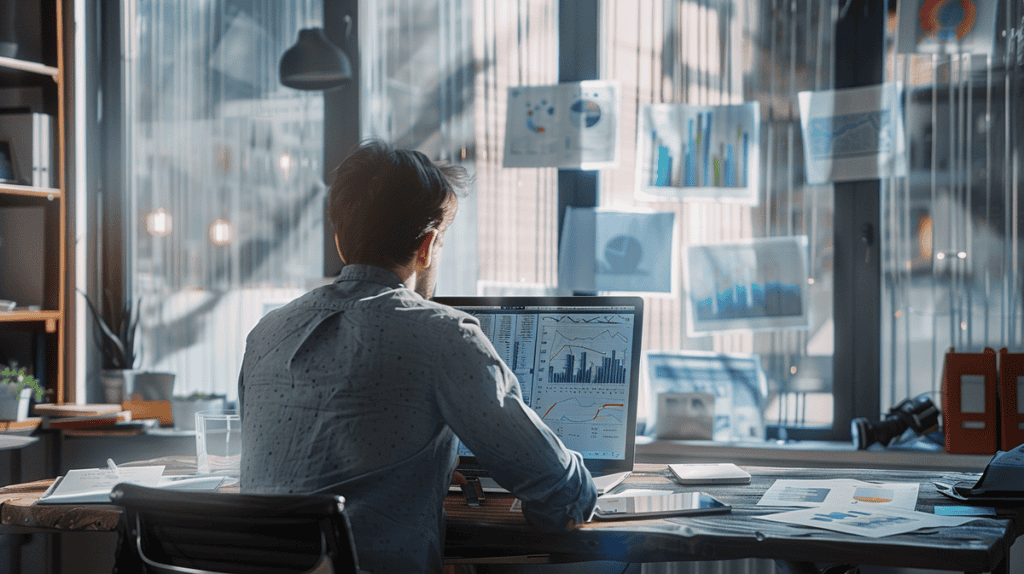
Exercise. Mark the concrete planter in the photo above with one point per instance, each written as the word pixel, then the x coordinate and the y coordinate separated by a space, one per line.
pixel 184 410
pixel 14 404
pixel 132 384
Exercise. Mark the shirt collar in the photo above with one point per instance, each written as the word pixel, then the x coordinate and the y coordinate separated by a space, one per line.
pixel 370 273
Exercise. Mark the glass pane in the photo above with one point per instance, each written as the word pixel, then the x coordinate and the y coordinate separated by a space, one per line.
pixel 721 53
pixel 951 246
pixel 437 78
pixel 224 179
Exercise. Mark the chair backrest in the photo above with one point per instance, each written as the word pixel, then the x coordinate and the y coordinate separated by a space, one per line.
pixel 182 532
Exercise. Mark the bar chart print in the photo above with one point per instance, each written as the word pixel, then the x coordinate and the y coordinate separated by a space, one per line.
pixel 756 284
pixel 690 152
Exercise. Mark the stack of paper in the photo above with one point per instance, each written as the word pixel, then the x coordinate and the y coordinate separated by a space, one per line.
pixel 853 506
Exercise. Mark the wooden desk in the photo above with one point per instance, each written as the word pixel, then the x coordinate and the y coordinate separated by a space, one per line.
pixel 978 546
pixel 492 530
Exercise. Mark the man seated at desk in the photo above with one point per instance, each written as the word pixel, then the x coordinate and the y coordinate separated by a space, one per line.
pixel 360 388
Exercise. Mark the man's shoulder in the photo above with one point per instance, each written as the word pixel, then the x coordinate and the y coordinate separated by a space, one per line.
pixel 437 315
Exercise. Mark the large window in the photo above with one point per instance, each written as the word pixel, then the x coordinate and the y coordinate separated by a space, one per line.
pixel 437 77
pixel 219 149
pixel 224 188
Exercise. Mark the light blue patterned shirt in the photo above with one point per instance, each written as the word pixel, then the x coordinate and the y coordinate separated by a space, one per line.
pixel 360 388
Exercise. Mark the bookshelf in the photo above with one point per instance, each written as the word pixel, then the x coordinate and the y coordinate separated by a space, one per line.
pixel 33 218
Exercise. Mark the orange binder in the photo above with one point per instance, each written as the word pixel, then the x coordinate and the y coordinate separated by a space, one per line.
pixel 1011 399
pixel 969 407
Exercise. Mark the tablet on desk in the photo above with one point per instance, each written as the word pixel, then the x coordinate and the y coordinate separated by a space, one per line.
pixel 655 506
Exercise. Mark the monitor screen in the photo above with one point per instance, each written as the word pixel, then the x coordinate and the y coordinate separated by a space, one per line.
pixel 577 361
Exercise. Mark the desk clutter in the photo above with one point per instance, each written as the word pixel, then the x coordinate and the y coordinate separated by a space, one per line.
pixel 871 509
pixel 491 529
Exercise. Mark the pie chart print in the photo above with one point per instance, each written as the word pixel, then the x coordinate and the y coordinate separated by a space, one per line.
pixel 586 113
pixel 534 113
pixel 623 254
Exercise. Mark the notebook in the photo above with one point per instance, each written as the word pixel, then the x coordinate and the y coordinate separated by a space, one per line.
pixel 578 364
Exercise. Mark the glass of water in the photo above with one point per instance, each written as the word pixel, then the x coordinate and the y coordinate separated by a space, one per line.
pixel 219 442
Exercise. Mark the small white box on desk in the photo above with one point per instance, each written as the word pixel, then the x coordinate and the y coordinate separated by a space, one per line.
pixel 720 473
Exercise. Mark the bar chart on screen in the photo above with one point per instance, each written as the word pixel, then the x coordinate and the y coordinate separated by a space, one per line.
pixel 583 378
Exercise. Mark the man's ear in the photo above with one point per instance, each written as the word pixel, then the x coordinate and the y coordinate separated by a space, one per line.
pixel 425 252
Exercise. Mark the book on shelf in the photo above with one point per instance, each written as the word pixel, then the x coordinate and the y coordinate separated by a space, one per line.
pixel 88 421
pixel 20 426
pixel 52 410
pixel 31 140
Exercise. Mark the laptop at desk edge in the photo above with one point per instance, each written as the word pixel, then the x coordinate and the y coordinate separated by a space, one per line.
pixel 607 472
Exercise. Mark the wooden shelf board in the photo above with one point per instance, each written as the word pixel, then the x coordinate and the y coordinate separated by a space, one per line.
pixel 31 67
pixel 20 316
pixel 29 191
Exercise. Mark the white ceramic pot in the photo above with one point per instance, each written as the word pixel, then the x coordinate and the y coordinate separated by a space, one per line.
pixel 14 404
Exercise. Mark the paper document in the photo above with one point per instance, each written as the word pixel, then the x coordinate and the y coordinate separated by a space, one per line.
pixel 873 522
pixel 191 482
pixel 853 134
pixel 840 492
pixel 95 484
pixel 572 125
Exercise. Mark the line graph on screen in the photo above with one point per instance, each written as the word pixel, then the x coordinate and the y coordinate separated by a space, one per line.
pixel 595 412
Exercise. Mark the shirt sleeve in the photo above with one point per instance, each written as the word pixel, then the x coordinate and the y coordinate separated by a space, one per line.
pixel 480 399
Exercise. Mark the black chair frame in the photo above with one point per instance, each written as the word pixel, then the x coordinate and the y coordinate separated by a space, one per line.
pixel 182 532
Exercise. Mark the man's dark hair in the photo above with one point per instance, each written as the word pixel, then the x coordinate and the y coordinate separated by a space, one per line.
pixel 384 200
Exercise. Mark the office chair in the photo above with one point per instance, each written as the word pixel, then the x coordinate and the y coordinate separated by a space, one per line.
pixel 182 532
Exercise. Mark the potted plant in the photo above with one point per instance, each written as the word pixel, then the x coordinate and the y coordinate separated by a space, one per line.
pixel 184 408
pixel 16 390
pixel 116 340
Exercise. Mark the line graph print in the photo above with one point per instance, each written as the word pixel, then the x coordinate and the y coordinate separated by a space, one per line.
pixel 598 411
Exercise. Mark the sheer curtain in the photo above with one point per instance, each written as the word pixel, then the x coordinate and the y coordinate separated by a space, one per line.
pixel 952 274
pixel 436 78
pixel 224 188
pixel 436 73
pixel 703 52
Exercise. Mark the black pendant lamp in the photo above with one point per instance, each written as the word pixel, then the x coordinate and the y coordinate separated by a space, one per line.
pixel 314 63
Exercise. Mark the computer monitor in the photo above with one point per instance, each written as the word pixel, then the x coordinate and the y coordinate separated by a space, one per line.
pixel 578 363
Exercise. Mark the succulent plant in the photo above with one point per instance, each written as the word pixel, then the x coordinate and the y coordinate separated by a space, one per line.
pixel 20 380
pixel 116 341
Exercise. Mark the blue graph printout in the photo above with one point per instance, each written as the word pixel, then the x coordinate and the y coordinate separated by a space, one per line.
pixel 757 284
pixel 687 152
pixel 573 367
pixel 872 522
pixel 850 135
pixel 604 250
pixel 736 380
pixel 853 134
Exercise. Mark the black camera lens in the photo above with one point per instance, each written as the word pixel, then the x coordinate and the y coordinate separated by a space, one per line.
pixel 866 434
pixel 918 413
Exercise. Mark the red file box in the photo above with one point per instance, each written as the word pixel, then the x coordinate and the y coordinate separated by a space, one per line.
pixel 969 407
pixel 1011 399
